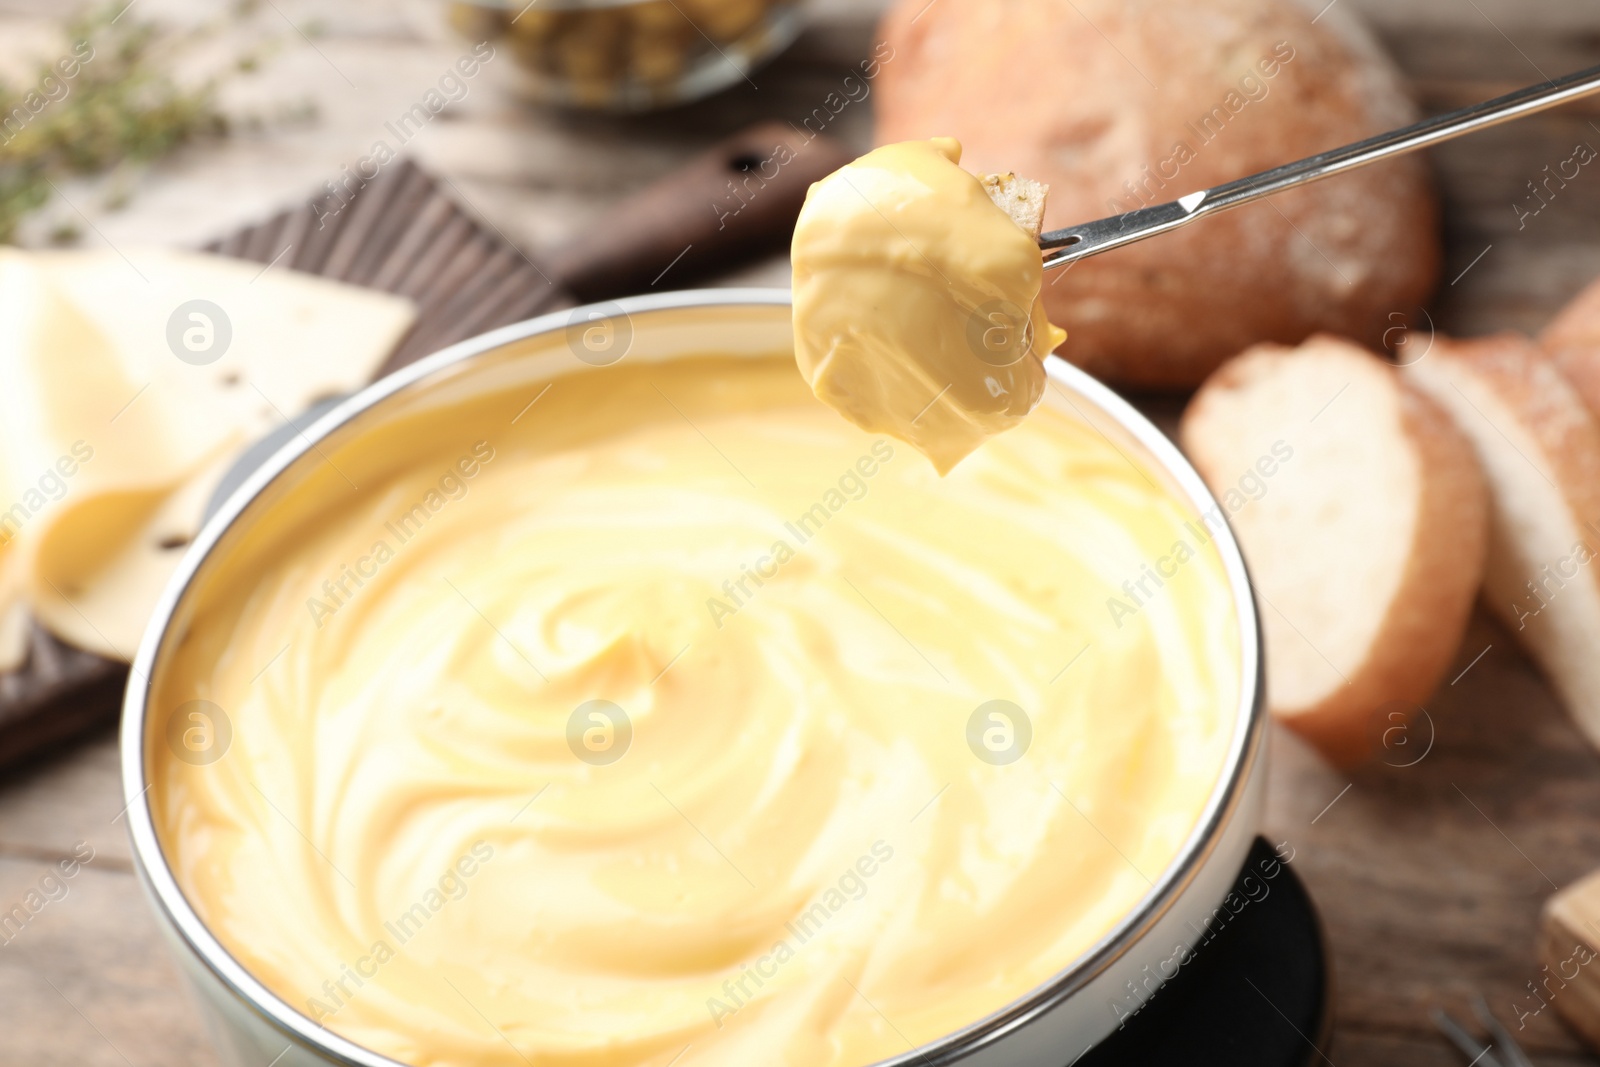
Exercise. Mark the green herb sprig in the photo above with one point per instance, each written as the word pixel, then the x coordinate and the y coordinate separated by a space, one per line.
pixel 120 106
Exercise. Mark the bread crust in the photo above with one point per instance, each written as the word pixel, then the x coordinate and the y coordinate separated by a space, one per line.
pixel 1548 407
pixel 1422 623
pixel 1340 256
pixel 1572 339
pixel 1565 437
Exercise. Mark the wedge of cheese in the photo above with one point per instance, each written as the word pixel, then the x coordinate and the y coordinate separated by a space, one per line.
pixel 127 387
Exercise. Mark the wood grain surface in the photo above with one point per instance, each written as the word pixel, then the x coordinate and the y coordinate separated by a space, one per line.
pixel 1429 877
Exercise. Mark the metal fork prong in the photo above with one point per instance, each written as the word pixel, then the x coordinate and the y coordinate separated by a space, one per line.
pixel 1502 1036
pixel 1479 1055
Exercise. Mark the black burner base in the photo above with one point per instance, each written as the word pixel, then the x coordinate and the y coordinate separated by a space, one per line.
pixel 1258 994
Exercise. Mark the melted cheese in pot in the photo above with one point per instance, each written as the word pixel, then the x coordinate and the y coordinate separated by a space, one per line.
pixel 916 301
pixel 659 726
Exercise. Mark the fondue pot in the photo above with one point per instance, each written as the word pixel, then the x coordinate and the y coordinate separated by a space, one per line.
pixel 1054 1024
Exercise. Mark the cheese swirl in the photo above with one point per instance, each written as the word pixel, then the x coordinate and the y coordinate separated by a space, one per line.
pixel 680 721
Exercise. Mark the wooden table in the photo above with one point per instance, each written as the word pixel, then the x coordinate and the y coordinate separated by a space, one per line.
pixel 1429 877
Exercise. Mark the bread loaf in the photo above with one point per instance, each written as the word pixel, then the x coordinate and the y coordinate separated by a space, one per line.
pixel 1119 105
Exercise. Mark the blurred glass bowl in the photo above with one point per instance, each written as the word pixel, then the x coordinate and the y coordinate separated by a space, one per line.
pixel 630 55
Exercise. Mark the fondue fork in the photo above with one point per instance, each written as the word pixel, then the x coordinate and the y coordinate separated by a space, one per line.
pixel 1499 1038
pixel 1068 245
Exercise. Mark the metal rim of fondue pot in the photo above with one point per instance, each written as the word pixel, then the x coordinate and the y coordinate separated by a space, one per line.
pixel 1051 1025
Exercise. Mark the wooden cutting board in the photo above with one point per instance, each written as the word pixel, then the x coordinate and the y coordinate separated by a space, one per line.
pixel 408 232
pixel 1569 951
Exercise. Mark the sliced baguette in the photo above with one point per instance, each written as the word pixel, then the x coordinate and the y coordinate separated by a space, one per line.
pixel 1021 198
pixel 1365 539
pixel 1539 446
pixel 1573 340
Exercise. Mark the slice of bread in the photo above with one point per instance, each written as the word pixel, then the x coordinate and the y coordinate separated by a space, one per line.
pixel 1021 198
pixel 1573 340
pixel 1361 512
pixel 1539 446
